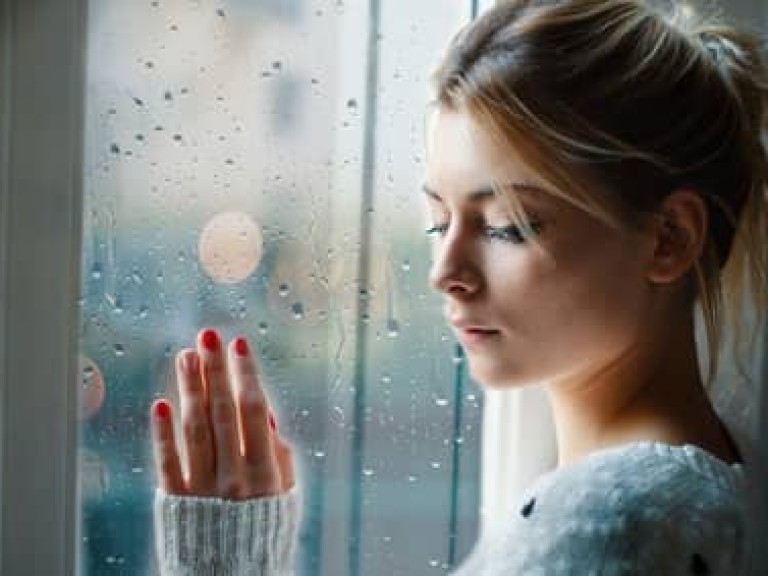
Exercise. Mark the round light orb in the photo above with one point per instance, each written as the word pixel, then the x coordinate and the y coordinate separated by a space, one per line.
pixel 230 247
pixel 92 389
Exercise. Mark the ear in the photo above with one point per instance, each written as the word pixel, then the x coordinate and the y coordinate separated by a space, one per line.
pixel 680 229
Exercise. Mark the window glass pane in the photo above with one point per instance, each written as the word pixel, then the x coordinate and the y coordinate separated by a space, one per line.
pixel 246 170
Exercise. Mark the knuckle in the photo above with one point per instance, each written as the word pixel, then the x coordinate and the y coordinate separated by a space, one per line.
pixel 196 431
pixel 223 412
pixel 253 402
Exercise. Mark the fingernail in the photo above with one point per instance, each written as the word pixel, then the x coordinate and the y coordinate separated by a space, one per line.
pixel 162 410
pixel 241 347
pixel 210 340
pixel 272 421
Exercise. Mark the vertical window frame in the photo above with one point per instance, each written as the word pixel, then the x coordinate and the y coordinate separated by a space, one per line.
pixel 42 67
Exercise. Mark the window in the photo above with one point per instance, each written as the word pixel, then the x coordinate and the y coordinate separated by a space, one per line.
pixel 256 168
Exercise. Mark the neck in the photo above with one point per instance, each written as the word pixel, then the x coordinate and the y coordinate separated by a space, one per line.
pixel 652 392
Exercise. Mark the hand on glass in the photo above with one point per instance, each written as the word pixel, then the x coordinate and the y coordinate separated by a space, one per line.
pixel 232 446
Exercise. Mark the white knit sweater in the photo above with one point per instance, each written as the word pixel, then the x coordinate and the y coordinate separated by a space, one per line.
pixel 642 508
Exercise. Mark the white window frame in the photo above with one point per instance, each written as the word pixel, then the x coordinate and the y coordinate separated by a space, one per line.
pixel 42 52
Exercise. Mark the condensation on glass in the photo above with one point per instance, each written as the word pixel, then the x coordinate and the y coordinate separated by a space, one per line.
pixel 245 171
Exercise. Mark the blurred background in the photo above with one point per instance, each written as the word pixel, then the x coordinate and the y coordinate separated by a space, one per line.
pixel 255 166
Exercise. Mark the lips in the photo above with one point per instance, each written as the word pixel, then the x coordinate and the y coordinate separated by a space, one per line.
pixel 472 334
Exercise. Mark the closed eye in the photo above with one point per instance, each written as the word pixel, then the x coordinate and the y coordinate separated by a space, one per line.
pixel 514 234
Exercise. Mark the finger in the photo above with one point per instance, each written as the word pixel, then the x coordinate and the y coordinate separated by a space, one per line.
pixel 253 413
pixel 284 456
pixel 196 426
pixel 221 404
pixel 166 456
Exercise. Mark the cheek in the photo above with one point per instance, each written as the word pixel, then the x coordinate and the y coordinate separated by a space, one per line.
pixel 586 308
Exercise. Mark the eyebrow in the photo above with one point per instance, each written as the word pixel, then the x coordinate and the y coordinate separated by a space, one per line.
pixel 482 194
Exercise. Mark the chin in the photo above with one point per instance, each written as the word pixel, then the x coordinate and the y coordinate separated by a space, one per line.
pixel 498 377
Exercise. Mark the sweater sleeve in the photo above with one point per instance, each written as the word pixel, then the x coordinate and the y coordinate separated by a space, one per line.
pixel 197 536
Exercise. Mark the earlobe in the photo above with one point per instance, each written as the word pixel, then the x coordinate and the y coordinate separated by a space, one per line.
pixel 680 230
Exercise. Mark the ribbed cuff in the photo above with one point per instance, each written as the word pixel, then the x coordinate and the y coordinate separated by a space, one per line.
pixel 211 536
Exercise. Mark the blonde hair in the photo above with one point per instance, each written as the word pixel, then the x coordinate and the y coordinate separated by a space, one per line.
pixel 616 104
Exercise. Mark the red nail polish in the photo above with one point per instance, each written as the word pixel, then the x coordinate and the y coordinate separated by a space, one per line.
pixel 272 421
pixel 162 410
pixel 210 340
pixel 241 347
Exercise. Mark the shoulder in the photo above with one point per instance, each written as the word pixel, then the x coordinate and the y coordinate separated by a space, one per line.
pixel 671 510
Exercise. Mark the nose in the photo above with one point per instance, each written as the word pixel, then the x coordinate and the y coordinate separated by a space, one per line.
pixel 455 268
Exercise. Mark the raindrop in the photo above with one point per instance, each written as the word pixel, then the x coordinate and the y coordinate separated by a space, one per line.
pixel 177 137
pixel 277 65
pixel 471 397
pixel 221 13
pixel 412 478
pixel 337 415
pixel 96 271
pixel 434 563
pixel 441 401
pixel 140 137
pixel 393 328
pixel 138 101
pixel 435 465
pixel 297 308
pixel 137 469
pixel 367 472
pixel 112 111
pixel 263 328
pixel 457 359
pixel 386 379
pixel 119 350
pixel 168 96
pixel 405 266
pixel 352 105
pixel 283 290
pixel 143 311
pixel 149 64
pixel 114 148
pixel 137 277
pixel 319 454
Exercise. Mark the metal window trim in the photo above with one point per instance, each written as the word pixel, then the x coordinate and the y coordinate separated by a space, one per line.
pixel 41 130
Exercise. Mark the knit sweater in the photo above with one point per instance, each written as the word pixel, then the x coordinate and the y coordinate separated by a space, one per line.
pixel 643 508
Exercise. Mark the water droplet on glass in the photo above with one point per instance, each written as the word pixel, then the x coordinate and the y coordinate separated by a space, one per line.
pixel 337 416
pixel 434 563
pixel 435 465
pixel 367 472
pixel 319 454
pixel 140 137
pixel 441 401
pixel 263 328
pixel 283 290
pixel 459 440
pixel 119 350
pixel 177 137
pixel 114 148
pixel 412 478
pixel 143 311
pixel 138 101
pixel 352 104
pixel 137 469
pixel 393 328
pixel 221 13
pixel 277 65
pixel 168 96
pixel 96 271
pixel 137 277
pixel 405 266
pixel 386 379
pixel 458 358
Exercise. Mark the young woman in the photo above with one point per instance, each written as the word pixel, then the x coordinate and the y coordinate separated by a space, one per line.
pixel 596 169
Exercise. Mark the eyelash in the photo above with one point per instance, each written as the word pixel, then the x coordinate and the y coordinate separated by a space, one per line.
pixel 513 234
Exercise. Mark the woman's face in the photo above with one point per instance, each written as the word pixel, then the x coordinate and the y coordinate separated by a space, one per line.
pixel 565 310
